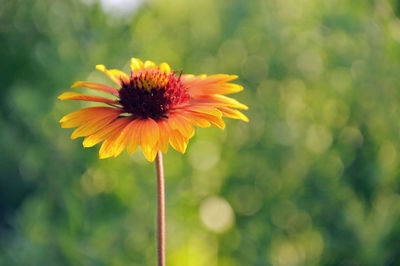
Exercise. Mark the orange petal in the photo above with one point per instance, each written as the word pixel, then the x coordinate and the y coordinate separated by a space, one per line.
pixel 115 75
pixel 178 142
pixel 232 113
pixel 187 78
pixel 110 147
pixel 213 120
pixel 129 137
pixel 94 125
pixel 164 130
pixel 198 108
pixel 149 136
pixel 216 88
pixel 134 141
pixel 202 80
pixel 106 149
pixel 219 100
pixel 177 122
pixel 150 153
pixel 195 120
pixel 106 131
pixel 96 86
pixel 81 97
pixel 81 116
pixel 215 84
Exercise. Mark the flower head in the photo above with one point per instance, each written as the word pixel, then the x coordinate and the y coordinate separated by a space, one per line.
pixel 152 108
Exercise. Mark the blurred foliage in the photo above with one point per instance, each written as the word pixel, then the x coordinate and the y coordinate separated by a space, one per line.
pixel 313 179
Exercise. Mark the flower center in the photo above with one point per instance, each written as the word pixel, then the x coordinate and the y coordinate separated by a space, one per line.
pixel 152 94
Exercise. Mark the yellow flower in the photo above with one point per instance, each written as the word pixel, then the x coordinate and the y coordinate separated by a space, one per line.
pixel 152 108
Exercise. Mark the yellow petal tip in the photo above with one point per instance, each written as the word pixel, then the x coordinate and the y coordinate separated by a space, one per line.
pixel 63 96
pixel 137 61
pixel 76 84
pixel 164 67
pixel 101 67
pixel 149 64
pixel 244 107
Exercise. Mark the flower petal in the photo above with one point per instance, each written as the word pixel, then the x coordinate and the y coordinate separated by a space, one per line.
pixel 82 97
pixel 164 130
pixel 204 79
pixel 149 64
pixel 106 131
pixel 178 123
pixel 213 120
pixel 149 136
pixel 205 109
pixel 136 64
pixel 133 136
pixel 219 100
pixel 205 113
pixel 195 120
pixel 96 86
pixel 232 113
pixel 127 134
pixel 81 116
pixel 164 67
pixel 215 84
pixel 115 75
pixel 110 147
pixel 94 125
pixel 224 88
pixel 177 141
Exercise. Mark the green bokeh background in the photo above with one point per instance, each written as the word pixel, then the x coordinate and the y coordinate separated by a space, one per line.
pixel 313 179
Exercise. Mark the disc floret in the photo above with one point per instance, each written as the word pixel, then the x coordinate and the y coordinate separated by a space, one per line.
pixel 152 94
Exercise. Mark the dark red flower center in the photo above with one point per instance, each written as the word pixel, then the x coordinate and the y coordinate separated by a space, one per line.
pixel 152 94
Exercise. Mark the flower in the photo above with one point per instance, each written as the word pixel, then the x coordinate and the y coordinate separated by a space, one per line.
pixel 152 108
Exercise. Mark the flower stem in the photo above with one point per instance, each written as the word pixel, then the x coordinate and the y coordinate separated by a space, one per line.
pixel 160 210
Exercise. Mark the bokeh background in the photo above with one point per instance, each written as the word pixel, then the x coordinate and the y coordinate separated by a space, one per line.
pixel 313 179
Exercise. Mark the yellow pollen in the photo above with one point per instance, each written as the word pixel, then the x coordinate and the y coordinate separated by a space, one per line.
pixel 147 86
pixel 156 82
pixel 139 84
pixel 150 81
pixel 163 81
